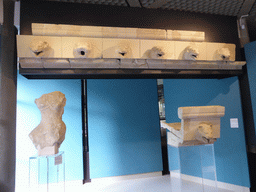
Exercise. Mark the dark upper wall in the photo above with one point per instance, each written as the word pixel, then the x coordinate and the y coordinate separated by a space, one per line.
pixel 251 29
pixel 217 28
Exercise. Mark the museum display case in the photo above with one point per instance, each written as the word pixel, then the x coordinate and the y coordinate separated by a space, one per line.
pixel 47 173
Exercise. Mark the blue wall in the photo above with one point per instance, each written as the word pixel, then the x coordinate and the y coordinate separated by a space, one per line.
pixel 124 131
pixel 230 149
pixel 250 54
pixel 28 117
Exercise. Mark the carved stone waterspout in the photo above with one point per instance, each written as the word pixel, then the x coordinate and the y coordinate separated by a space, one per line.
pixel 199 125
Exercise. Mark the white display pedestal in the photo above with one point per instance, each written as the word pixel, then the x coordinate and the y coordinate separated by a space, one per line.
pixel 47 173
pixel 192 168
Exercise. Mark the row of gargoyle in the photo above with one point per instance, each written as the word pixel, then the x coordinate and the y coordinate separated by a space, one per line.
pixel 82 50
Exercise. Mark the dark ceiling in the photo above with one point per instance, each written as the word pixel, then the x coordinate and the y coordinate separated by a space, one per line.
pixel 219 7
pixel 236 8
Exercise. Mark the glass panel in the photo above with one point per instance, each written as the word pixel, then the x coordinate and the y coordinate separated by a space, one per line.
pixel 47 173
pixel 208 168
pixel 192 168
pixel 175 169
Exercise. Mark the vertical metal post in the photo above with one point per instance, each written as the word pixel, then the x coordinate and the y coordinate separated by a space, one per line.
pixel 164 145
pixel 8 92
pixel 85 133
pixel 243 30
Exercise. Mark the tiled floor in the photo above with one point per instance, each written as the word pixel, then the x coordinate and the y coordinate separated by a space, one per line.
pixel 152 184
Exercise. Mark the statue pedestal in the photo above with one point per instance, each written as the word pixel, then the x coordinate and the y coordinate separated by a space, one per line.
pixel 192 168
pixel 47 173
pixel 48 151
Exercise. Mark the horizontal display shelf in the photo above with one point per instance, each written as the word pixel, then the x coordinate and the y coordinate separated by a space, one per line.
pixel 131 68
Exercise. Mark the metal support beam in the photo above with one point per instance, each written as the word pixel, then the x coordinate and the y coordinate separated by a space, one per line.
pixel 127 74
pixel 1 12
pixel 241 22
pixel 8 82
pixel 158 3
pixel 242 31
pixel 134 3
pixel 246 7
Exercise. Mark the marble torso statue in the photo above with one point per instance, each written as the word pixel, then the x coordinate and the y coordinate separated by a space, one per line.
pixel 51 130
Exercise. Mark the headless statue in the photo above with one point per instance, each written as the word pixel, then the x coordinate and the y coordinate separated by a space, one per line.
pixel 50 133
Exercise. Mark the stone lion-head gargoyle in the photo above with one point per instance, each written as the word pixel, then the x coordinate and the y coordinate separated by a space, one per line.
pixel 39 48
pixel 81 50
pixel 204 133
pixel 190 53
pixel 222 54
pixel 156 53
pixel 123 50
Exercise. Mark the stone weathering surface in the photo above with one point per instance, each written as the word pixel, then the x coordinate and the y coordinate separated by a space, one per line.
pixel 50 133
